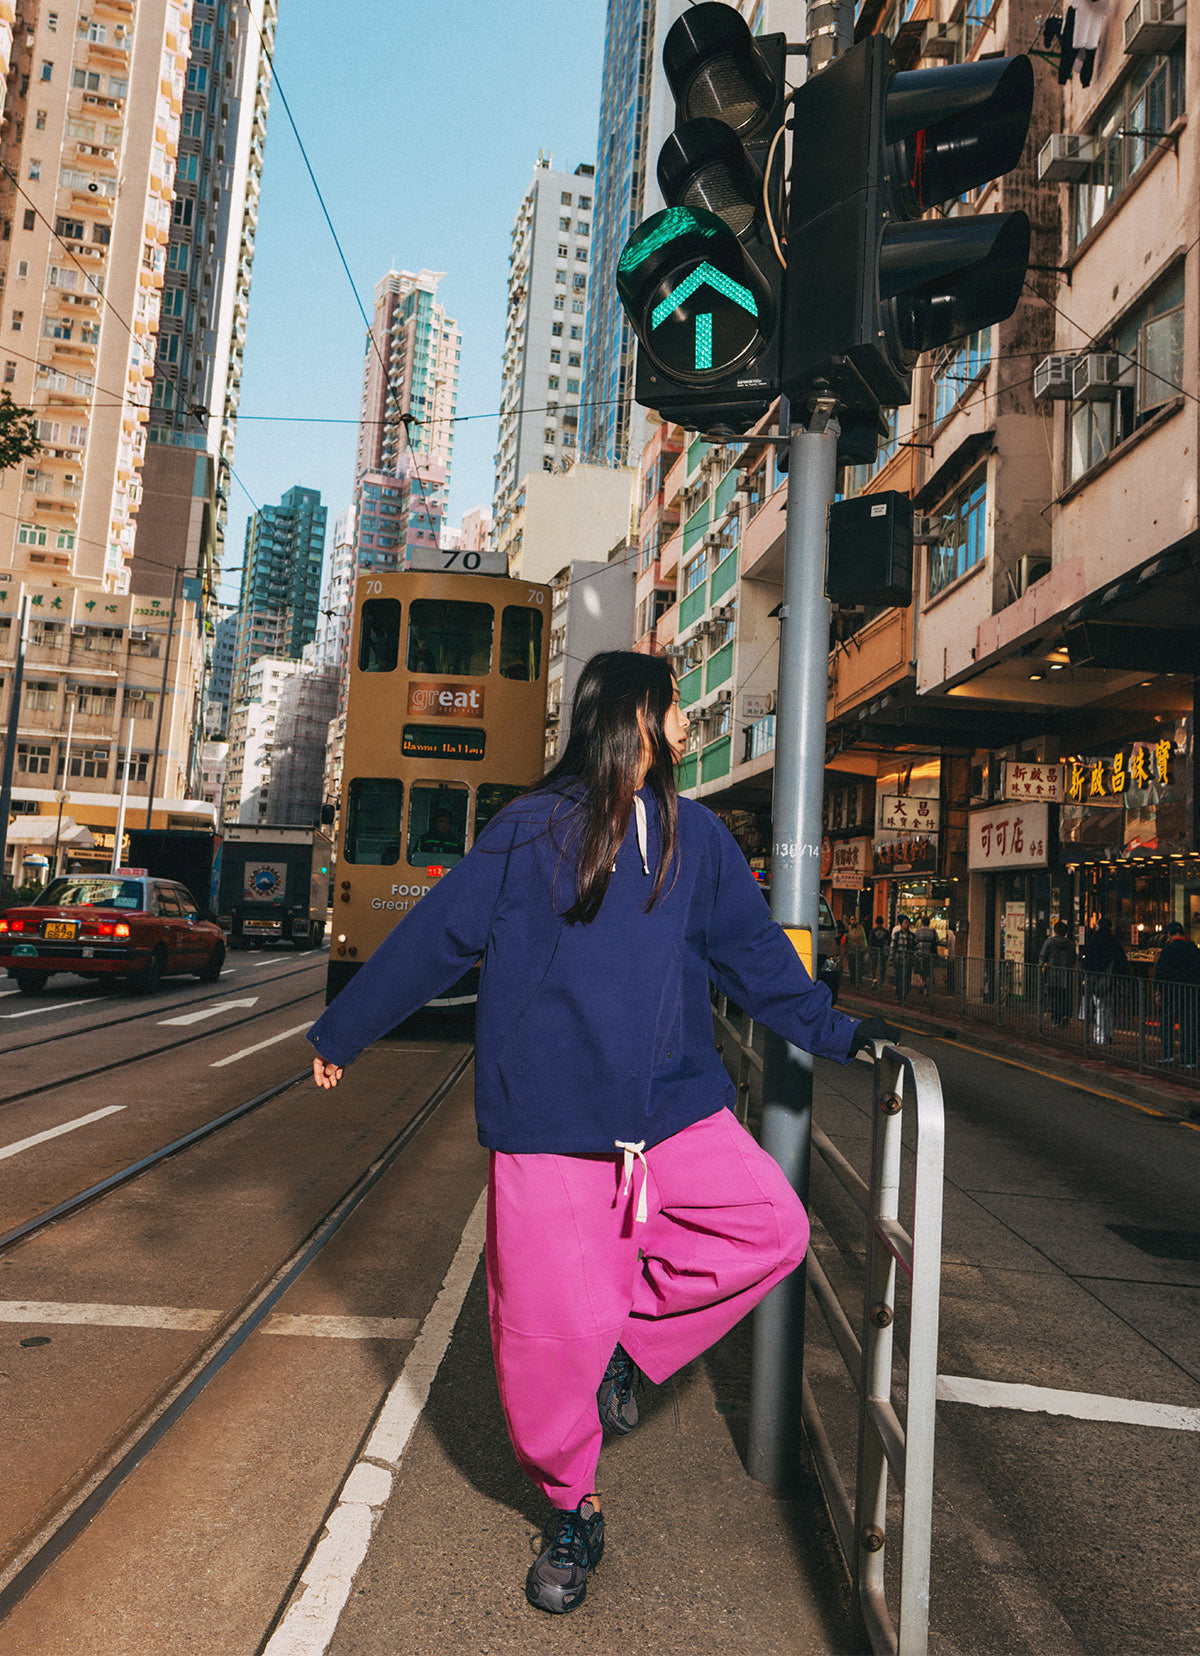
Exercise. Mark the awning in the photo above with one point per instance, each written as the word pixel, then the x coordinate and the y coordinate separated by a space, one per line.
pixel 42 830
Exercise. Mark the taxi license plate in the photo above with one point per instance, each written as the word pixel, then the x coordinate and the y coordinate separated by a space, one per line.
pixel 60 931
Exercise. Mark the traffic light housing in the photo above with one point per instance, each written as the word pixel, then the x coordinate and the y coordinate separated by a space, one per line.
pixel 872 282
pixel 702 281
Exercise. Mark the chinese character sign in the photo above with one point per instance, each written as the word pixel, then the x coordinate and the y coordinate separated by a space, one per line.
pixel 907 814
pixel 1015 835
pixel 1026 780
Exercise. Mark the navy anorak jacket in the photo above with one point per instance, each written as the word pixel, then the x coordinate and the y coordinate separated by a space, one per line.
pixel 595 1032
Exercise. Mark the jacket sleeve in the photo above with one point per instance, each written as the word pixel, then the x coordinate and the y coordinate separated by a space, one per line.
pixel 751 960
pixel 424 953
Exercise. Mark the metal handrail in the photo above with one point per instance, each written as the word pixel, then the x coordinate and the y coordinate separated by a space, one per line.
pixel 884 1441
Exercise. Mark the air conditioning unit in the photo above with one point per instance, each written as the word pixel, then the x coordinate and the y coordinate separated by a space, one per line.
pixel 724 697
pixel 941 40
pixel 134 695
pixel 138 635
pixel 927 529
pixel 726 612
pixel 1154 26
pixel 1098 375
pixel 1026 571
pixel 712 537
pixel 1052 378
pixel 1065 158
pixel 78 632
pixel 676 652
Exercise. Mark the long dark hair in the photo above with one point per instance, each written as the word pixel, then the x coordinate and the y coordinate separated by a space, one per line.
pixel 604 752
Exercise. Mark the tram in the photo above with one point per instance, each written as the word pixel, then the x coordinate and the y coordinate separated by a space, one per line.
pixel 445 723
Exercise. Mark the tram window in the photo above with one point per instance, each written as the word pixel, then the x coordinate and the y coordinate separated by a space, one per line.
pixel 449 638
pixel 437 824
pixel 489 799
pixel 379 636
pixel 374 809
pixel 520 643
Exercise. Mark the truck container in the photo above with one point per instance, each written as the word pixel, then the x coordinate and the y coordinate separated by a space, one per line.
pixel 274 884
pixel 190 855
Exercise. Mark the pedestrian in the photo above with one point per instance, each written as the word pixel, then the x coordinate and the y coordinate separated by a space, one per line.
pixel 856 950
pixel 904 949
pixel 1177 973
pixel 1056 961
pixel 880 941
pixel 1103 960
pixel 631 1219
pixel 926 939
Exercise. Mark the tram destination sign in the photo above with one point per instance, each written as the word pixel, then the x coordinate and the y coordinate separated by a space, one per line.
pixel 442 742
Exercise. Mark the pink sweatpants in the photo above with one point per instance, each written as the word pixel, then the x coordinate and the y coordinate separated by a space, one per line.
pixel 570 1274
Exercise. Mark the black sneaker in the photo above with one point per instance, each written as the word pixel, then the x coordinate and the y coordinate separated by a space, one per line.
pixel 615 1401
pixel 558 1581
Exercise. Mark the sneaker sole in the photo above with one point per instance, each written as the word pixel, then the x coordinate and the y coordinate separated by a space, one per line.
pixel 557 1605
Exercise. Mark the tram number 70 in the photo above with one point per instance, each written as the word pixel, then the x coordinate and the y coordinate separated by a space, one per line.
pixel 455 555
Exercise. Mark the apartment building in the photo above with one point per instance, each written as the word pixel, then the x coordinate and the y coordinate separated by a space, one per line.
pixel 110 702
pixel 577 514
pixel 251 735
pixel 281 581
pixel 548 268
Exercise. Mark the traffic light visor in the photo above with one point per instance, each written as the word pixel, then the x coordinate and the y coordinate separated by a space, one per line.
pixel 955 128
pixel 714 68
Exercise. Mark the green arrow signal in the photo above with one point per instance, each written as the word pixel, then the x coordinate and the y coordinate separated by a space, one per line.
pixel 716 279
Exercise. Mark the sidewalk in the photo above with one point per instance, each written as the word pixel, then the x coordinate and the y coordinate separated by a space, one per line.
pixel 1166 1091
pixel 700 1560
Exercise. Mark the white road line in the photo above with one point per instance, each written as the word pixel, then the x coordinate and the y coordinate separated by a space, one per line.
pixel 312 1616
pixel 274 1040
pixel 57 1132
pixel 33 1010
pixel 174 1317
pixel 210 1011
pixel 1123 1411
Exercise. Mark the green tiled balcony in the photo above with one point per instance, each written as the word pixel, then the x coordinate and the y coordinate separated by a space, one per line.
pixel 718 669
pixel 714 761
pixel 691 686
pixel 723 577
pixel 692 607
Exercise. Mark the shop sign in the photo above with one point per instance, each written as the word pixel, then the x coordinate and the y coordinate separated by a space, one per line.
pixel 1008 836
pixel 905 854
pixel 826 857
pixel 907 814
pixel 851 863
pixel 1023 780
pixel 1144 765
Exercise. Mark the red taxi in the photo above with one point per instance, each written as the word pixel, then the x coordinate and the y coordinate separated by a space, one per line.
pixel 126 925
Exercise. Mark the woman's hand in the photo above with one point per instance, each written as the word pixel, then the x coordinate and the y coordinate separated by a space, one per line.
pixel 326 1074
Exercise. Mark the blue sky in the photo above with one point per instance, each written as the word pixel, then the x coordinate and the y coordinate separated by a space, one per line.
pixel 422 123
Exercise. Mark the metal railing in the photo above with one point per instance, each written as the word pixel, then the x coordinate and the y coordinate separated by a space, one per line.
pixel 884 1442
pixel 1126 1019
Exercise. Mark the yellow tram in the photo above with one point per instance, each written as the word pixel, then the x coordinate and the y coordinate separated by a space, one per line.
pixel 445 723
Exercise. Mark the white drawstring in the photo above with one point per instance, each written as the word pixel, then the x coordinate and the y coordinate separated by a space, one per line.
pixel 639 812
pixel 632 1152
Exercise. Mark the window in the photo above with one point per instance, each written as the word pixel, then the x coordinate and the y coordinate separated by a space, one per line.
pixel 33 758
pixel 87 79
pixel 694 572
pixel 18 318
pixel 565 198
pixel 47 70
pixel 38 695
pixel 583 229
pixel 22 269
pixel 437 824
pixel 1129 131
pixel 374 813
pixel 577 305
pixel 379 639
pixel 449 638
pixel 585 204
pixel 552 382
pixel 559 302
pixel 556 329
pixel 89 762
pixel 10 372
pixel 581 254
pixel 564 224
pixel 576 333
pixel 563 250
pixel 35 169
pixel 69 229
pixel 520 643
pixel 960 543
pixel 955 372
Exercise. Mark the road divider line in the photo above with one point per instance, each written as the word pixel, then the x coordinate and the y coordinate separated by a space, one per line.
pixel 309 1623
pixel 57 1132
pixel 84 1314
pixel 1121 1411
pixel 209 1011
pixel 261 1045
pixel 60 1006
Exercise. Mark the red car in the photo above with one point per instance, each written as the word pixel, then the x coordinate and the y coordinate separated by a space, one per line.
pixel 120 925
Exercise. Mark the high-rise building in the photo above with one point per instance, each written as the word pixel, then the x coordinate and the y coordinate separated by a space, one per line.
pixel 548 269
pixel 204 274
pixel 281 582
pixel 410 375
pixel 88 152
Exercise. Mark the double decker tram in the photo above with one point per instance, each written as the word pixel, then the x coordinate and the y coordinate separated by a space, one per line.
pixel 445 723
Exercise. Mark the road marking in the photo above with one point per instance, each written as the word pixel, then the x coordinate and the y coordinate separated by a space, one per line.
pixel 175 1317
pixel 210 1011
pixel 1123 1411
pixel 57 1132
pixel 33 1010
pixel 312 1616
pixel 274 1040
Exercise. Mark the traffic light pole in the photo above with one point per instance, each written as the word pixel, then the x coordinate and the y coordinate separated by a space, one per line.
pixel 775 1425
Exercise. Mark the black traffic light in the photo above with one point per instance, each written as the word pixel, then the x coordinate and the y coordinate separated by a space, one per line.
pixel 702 281
pixel 871 281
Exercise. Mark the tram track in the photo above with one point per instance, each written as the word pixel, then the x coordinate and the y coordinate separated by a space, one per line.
pixel 151 1052
pixel 33 1551
pixel 146 1009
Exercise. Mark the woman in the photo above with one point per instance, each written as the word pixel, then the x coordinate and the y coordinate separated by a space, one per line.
pixel 856 950
pixel 631 1219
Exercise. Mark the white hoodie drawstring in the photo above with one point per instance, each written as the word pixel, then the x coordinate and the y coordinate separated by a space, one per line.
pixel 634 1152
pixel 639 812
